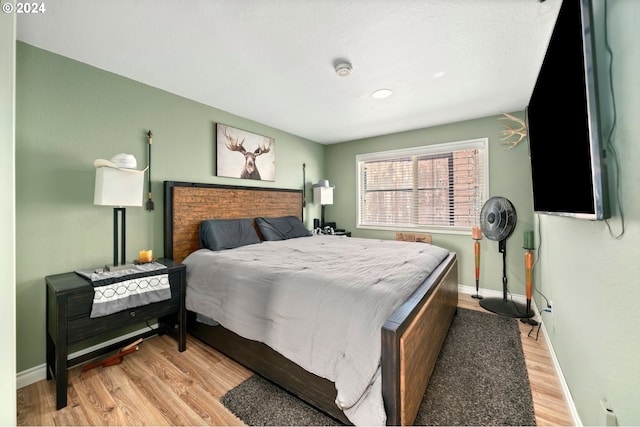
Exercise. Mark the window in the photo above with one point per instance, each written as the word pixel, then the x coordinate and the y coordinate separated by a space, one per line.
pixel 435 187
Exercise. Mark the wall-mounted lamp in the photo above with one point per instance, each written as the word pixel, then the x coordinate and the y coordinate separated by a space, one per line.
pixel 118 184
pixel 323 194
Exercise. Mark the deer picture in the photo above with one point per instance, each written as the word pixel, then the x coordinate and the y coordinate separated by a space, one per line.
pixel 249 170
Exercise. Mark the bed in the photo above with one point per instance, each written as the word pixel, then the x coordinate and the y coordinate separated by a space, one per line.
pixel 411 336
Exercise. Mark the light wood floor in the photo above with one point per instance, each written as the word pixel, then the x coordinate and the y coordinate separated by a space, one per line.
pixel 159 386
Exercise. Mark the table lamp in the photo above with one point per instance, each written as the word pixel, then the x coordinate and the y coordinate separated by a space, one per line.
pixel 323 194
pixel 119 184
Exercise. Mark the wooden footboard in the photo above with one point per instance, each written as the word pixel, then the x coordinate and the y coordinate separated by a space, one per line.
pixel 263 360
pixel 412 339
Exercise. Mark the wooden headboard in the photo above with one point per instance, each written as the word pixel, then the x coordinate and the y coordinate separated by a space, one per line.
pixel 186 204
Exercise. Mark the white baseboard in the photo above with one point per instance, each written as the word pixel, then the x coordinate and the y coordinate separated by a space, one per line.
pixel 498 294
pixel 563 384
pixel 31 375
pixel 470 290
pixel 38 373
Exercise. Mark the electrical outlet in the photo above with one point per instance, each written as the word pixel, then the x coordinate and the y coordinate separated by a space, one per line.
pixel 607 417
pixel 549 308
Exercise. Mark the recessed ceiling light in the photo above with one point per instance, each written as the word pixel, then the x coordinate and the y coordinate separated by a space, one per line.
pixel 440 74
pixel 381 93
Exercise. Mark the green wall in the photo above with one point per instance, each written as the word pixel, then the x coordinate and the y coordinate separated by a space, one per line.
pixel 67 115
pixel 509 176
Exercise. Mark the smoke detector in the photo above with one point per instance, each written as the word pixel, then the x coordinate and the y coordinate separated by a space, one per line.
pixel 343 69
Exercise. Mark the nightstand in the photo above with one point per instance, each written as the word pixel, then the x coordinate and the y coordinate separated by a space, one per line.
pixel 68 305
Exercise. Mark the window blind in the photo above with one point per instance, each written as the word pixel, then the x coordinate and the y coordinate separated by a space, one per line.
pixel 435 186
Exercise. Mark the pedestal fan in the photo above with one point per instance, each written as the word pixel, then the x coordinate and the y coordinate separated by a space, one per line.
pixel 497 222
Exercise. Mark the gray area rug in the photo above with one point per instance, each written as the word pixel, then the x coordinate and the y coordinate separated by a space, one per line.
pixel 480 379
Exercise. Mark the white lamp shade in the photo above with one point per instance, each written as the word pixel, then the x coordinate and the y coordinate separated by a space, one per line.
pixel 323 195
pixel 118 187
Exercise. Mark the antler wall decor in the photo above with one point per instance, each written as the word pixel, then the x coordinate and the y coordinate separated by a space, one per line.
pixel 520 133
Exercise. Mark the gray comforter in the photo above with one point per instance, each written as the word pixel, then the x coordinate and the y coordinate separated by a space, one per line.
pixel 320 301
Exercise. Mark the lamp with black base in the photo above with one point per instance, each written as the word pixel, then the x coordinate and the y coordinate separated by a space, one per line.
pixel 323 194
pixel 119 184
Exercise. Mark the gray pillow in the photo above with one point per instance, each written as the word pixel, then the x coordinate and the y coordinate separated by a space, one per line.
pixel 281 228
pixel 221 234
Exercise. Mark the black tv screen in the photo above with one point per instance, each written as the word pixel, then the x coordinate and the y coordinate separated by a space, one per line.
pixel 567 158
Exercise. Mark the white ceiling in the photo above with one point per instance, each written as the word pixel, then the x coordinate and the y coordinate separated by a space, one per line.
pixel 272 61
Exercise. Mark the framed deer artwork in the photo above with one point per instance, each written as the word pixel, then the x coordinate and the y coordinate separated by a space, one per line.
pixel 243 154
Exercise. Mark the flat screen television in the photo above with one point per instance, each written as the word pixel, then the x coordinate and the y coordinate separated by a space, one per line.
pixel 565 144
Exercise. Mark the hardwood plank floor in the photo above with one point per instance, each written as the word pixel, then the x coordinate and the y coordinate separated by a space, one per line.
pixel 159 386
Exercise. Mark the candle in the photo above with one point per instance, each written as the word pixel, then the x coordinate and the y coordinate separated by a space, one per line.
pixel 476 233
pixel 145 256
pixel 528 240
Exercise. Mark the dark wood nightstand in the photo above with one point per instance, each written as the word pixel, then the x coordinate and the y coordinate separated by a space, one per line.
pixel 69 302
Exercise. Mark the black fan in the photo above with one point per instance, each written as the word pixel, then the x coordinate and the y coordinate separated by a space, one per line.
pixel 497 221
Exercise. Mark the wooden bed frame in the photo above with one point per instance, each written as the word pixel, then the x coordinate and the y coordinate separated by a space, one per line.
pixel 411 338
